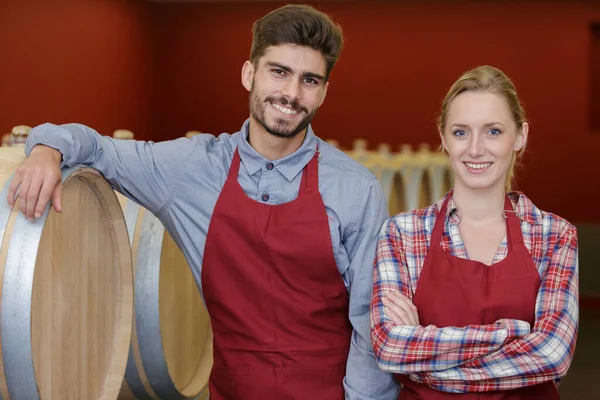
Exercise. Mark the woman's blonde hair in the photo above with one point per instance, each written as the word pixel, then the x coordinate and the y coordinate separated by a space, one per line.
pixel 487 78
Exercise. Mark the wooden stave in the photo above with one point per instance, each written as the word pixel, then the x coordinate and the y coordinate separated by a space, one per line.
pixel 152 380
pixel 415 187
pixel 19 271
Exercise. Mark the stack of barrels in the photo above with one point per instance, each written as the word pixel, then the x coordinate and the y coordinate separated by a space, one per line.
pixel 96 302
pixel 409 179
pixel 17 136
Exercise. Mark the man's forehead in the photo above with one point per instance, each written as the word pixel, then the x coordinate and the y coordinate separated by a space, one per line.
pixel 298 58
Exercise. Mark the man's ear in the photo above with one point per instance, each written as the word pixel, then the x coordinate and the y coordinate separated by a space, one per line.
pixel 325 87
pixel 247 75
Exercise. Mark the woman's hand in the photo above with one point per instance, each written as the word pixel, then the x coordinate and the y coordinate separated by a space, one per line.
pixel 400 309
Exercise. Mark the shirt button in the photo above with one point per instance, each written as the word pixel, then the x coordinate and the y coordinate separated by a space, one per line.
pixel 265 197
pixel 270 166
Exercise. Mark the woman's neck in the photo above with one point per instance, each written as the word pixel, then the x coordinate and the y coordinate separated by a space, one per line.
pixel 479 206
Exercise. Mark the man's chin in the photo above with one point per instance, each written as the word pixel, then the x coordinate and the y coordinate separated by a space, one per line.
pixel 283 130
pixel 288 134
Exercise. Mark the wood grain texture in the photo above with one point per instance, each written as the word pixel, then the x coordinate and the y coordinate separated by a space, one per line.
pixel 10 159
pixel 183 322
pixel 82 292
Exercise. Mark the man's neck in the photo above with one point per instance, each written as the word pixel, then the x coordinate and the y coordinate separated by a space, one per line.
pixel 270 146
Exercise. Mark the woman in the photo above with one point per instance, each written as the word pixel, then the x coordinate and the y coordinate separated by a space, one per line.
pixel 477 294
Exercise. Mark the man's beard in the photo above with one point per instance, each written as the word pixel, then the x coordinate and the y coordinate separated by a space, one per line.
pixel 281 128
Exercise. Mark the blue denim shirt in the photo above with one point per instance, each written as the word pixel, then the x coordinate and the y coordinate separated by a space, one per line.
pixel 180 180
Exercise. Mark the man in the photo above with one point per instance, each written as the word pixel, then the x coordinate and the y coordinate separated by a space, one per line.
pixel 278 227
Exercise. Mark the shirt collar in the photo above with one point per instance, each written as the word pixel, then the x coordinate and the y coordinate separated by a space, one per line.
pixel 289 166
pixel 526 210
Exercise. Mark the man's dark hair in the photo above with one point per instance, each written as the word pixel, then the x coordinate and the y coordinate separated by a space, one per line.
pixel 301 25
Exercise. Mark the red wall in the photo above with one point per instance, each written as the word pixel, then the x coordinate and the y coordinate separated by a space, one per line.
pixel 162 69
pixel 595 78
pixel 398 62
pixel 75 61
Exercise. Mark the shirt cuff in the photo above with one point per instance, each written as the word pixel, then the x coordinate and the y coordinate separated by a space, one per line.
pixel 517 328
pixel 52 136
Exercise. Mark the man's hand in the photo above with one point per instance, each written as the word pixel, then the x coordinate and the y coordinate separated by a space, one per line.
pixel 37 179
pixel 400 309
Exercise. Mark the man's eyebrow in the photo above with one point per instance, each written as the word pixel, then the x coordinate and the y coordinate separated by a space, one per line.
pixel 290 70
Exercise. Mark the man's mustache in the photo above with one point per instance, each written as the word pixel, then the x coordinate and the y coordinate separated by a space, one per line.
pixel 294 104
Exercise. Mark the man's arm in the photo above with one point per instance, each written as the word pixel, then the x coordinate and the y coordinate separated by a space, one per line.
pixel 146 172
pixel 364 380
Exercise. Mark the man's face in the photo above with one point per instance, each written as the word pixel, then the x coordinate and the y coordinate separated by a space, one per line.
pixel 287 87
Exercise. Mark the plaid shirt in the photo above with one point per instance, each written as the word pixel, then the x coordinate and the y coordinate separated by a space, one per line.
pixel 505 355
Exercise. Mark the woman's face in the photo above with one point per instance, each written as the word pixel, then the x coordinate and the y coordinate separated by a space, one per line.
pixel 481 137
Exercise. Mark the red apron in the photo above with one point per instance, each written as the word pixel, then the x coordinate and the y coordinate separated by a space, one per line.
pixel 457 292
pixel 277 302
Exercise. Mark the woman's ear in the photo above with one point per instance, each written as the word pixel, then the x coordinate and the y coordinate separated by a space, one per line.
pixel 522 137
pixel 444 147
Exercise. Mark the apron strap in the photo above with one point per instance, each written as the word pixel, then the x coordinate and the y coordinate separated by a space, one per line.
pixel 514 235
pixel 310 174
pixel 438 228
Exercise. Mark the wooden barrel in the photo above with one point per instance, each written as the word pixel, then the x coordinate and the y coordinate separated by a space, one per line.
pixel 66 285
pixel 16 137
pixel 7 140
pixel 19 134
pixel 385 167
pixel 415 187
pixel 415 179
pixel 386 170
pixel 191 134
pixel 335 143
pixel 171 347
pixel 123 134
pixel 440 176
pixel 360 151
pixel 393 186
